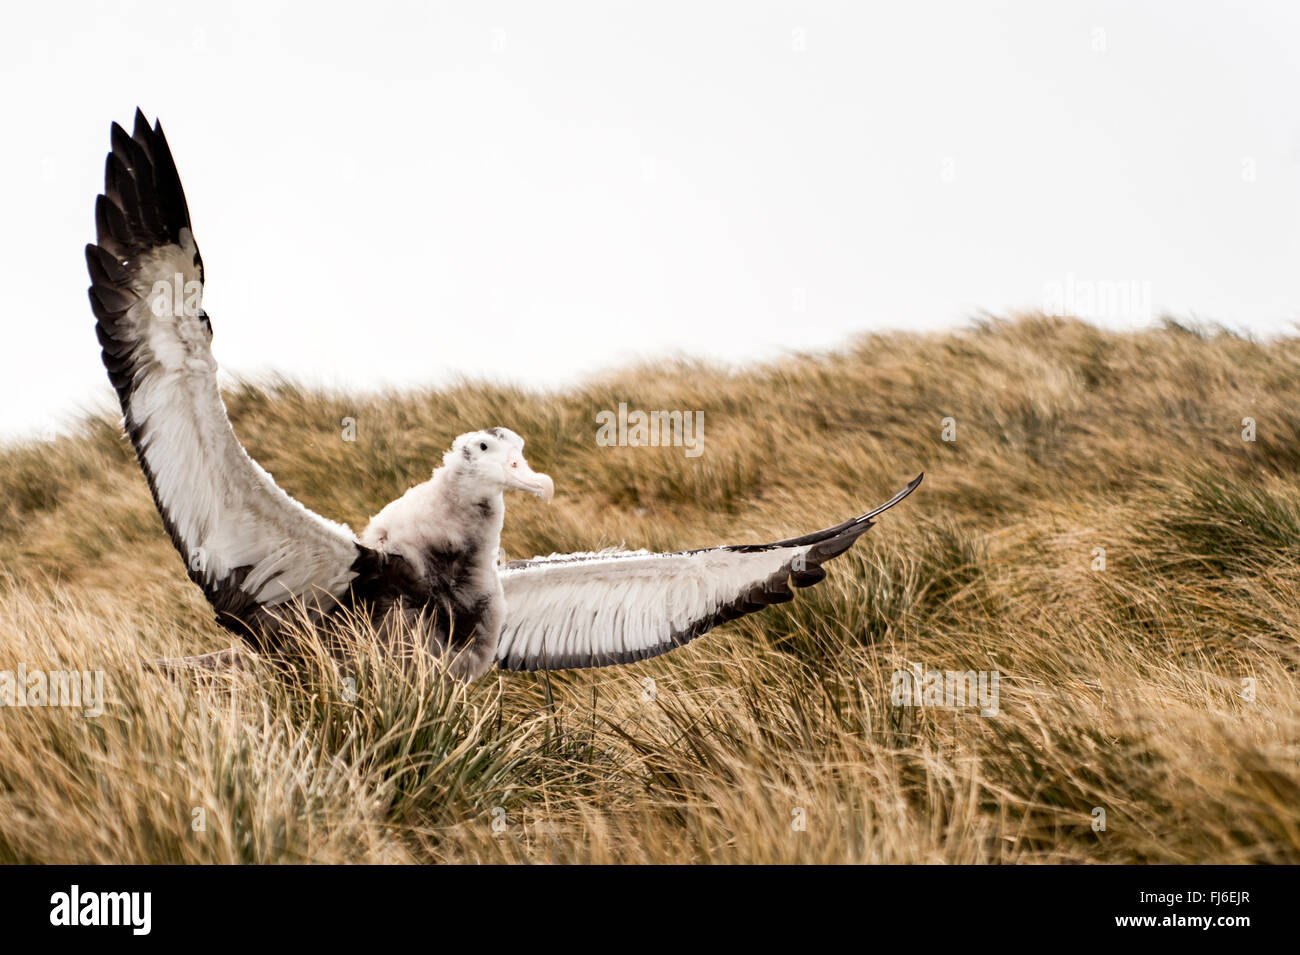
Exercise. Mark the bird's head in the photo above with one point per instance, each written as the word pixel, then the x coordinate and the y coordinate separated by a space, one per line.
pixel 494 460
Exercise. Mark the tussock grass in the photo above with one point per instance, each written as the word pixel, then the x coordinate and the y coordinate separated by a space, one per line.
pixel 1163 689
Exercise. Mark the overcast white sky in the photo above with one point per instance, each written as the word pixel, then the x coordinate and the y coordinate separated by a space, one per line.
pixel 396 193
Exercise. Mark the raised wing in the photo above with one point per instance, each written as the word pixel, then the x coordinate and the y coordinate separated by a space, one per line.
pixel 249 545
pixel 591 610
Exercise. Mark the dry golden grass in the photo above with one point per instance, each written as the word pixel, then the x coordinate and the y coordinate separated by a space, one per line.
pixel 1122 688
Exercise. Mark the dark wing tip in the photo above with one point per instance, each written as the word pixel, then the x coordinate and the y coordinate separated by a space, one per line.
pixel 141 208
pixel 116 133
pixel 912 485
pixel 857 525
pixel 141 179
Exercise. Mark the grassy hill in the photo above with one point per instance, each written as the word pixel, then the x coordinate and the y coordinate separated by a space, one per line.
pixel 1100 532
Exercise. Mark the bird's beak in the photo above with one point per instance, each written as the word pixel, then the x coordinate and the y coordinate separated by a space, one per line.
pixel 523 478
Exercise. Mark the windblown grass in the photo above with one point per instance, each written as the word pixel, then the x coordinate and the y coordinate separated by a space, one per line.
pixel 1161 688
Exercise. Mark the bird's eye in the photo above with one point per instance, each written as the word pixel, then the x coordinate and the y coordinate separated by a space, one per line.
pixel 482 445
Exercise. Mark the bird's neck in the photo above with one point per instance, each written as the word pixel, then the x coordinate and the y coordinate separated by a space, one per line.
pixel 469 513
pixel 449 517
pixel 465 498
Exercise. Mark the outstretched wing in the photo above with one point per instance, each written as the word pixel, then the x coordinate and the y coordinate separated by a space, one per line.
pixel 592 610
pixel 249 545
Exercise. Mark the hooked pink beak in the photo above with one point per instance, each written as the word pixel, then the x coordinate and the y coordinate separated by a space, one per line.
pixel 523 478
